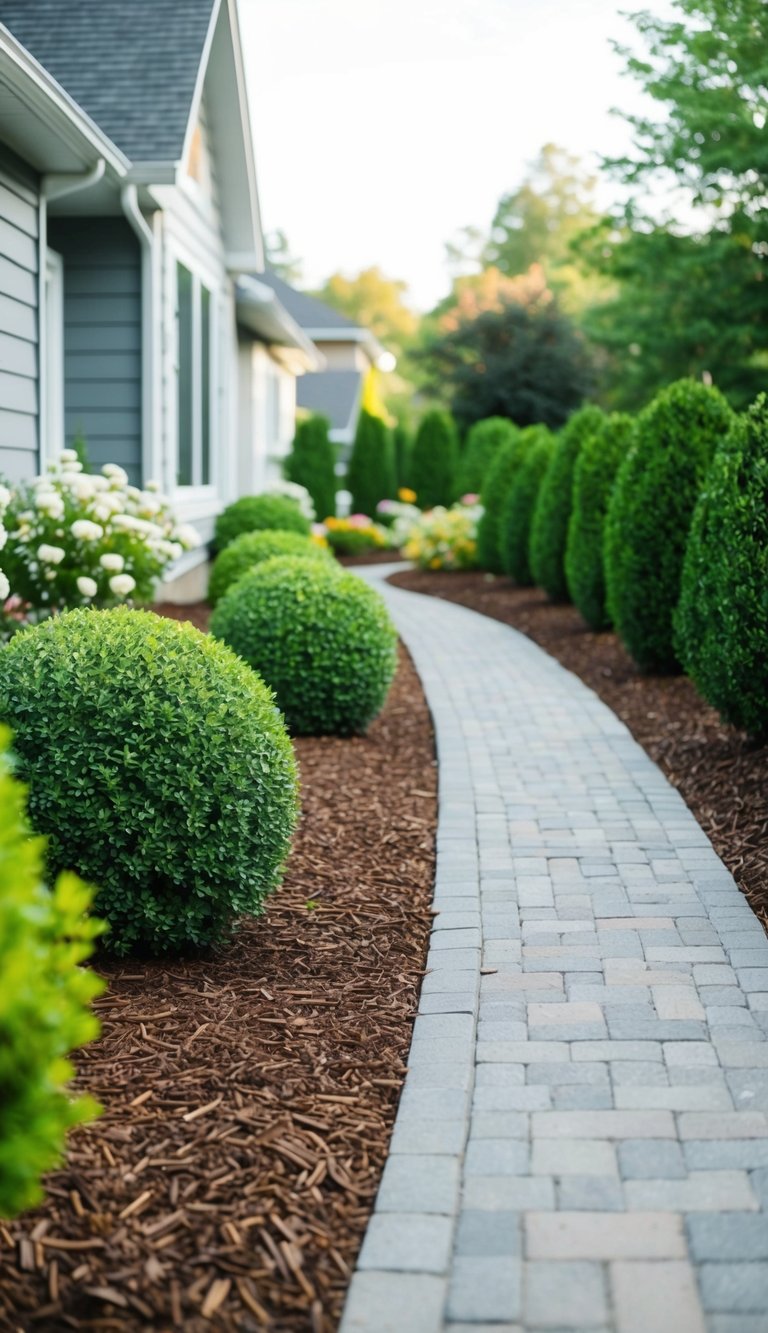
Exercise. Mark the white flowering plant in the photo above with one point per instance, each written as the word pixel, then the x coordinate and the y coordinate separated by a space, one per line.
pixel 78 538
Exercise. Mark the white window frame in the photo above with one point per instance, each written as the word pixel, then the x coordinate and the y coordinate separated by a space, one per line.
pixel 52 426
pixel 197 494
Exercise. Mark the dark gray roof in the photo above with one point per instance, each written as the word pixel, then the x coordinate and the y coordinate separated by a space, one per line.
pixel 334 393
pixel 132 65
pixel 306 310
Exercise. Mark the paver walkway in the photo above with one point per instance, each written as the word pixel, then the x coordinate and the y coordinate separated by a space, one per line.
pixel 582 1140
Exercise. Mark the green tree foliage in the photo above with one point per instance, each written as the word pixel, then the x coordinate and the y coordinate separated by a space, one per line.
pixel 434 460
pixel 480 446
pixel 722 619
pixel 312 463
pixel 517 513
pixel 371 471
pixel 44 1001
pixel 257 513
pixel 402 445
pixel 549 526
pixel 498 479
pixel 594 475
pixel 649 515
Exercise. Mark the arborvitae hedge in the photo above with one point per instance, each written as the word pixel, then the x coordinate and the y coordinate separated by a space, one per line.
pixel 593 479
pixel 480 447
pixel 517 513
pixel 402 445
pixel 721 622
pixel 650 512
pixel 549 526
pixel 371 471
pixel 434 461
pixel 312 463
pixel 498 479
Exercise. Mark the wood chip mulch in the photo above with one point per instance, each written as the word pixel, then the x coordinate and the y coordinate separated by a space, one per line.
pixel 249 1095
pixel 720 773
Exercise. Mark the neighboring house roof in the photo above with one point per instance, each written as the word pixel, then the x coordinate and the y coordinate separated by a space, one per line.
pixel 335 394
pixel 320 321
pixel 259 310
pixel 132 65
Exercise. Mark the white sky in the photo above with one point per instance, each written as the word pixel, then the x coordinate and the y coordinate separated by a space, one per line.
pixel 383 126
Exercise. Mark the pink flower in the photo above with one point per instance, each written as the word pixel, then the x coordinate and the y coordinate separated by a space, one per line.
pixel 359 520
pixel 470 499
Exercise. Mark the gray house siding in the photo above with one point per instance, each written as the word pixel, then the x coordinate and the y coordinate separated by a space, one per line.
pixel 102 337
pixel 18 318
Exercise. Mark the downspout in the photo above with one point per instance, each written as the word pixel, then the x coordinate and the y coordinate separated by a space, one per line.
pixel 152 460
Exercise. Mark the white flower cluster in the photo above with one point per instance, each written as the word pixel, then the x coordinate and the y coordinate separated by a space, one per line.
pixel 5 500
pixel 293 491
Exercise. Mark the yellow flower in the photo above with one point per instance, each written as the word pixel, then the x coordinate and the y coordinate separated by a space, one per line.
pixel 406 495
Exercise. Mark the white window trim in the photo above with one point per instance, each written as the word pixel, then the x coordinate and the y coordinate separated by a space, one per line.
pixel 52 427
pixel 197 499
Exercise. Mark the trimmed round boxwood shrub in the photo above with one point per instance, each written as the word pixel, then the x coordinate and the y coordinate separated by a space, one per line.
pixel 502 469
pixel 312 463
pixel 549 526
pixel 253 547
pixel 254 513
pixel 721 622
pixel 434 460
pixel 321 638
pixel 650 512
pixel 44 1001
pixel 158 767
pixel 517 513
pixel 482 442
pixel 593 479
pixel 371 470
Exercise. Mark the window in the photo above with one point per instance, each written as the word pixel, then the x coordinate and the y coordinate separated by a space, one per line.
pixel 53 356
pixel 194 316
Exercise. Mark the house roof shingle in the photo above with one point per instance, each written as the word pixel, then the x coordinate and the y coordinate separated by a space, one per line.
pixel 333 393
pixel 132 65
pixel 306 310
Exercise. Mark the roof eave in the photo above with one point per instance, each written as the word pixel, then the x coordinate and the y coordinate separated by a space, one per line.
pixel 259 310
pixel 352 333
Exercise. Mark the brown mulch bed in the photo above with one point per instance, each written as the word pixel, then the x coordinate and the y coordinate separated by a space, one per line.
pixel 387 557
pixel 722 776
pixel 249 1095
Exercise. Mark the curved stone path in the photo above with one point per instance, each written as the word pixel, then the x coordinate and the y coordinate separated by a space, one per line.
pixel 582 1139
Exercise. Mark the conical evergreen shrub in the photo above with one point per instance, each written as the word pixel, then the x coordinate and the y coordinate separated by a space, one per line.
pixel 517 513
pixel 549 528
pixel 402 445
pixel 501 471
pixel 593 480
pixel 434 461
pixel 650 512
pixel 371 471
pixel 721 622
pixel 482 442
pixel 312 463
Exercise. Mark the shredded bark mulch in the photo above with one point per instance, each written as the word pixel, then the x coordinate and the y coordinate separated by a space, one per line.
pixel 249 1095
pixel 720 773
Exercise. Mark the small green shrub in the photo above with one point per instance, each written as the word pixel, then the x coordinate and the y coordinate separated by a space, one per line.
pixel 501 471
pixel 312 463
pixel 356 535
pixel 321 639
pixel 593 479
pixel 254 513
pixel 434 460
pixel 721 622
pixel 253 547
pixel 549 527
pixel 44 999
pixel 371 471
pixel 650 512
pixel 158 768
pixel 517 513
pixel 480 447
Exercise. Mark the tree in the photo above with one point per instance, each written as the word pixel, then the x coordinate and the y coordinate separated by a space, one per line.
pixel 598 462
pixel 549 525
pixel 483 441
pixel 500 476
pixel 377 302
pixel 312 463
pixel 517 513
pixel 434 460
pixel 402 445
pixel 371 471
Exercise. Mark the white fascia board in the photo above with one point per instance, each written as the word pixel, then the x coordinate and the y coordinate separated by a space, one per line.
pixel 154 173
pixel 355 334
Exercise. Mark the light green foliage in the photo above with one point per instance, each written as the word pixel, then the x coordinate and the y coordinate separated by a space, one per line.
pixel 549 527
pixel 253 547
pixel 44 1001
pixel 649 515
pixel 722 620
pixel 434 460
pixel 595 473
pixel 321 639
pixel 255 513
pixel 482 442
pixel 517 513
pixel 371 471
pixel 501 472
pixel 312 463
pixel 158 768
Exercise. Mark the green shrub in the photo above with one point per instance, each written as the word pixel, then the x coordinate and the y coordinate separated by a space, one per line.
pixel 482 442
pixel 322 640
pixel 517 513
pixel 593 479
pixel 650 512
pixel 253 547
pixel 44 998
pixel 721 622
pixel 549 526
pixel 501 472
pixel 158 768
pixel 355 536
pixel 312 463
pixel 434 460
pixel 371 471
pixel 255 513
pixel 402 445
